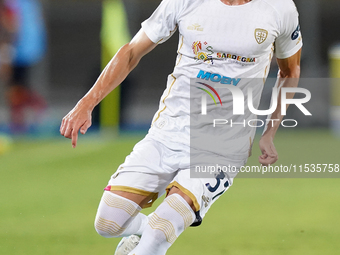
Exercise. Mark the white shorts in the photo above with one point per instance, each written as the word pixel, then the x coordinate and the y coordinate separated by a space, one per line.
pixel 152 169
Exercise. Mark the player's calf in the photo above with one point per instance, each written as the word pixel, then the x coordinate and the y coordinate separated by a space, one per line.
pixel 169 220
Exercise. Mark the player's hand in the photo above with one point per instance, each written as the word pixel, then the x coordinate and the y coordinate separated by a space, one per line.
pixel 79 118
pixel 269 154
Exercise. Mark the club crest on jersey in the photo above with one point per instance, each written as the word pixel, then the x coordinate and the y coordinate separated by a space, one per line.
pixel 261 35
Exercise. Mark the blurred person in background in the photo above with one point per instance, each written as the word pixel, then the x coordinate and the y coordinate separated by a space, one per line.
pixel 8 29
pixel 29 49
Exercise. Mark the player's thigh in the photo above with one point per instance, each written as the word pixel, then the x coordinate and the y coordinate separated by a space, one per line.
pixel 145 173
pixel 141 200
pixel 201 192
pixel 175 190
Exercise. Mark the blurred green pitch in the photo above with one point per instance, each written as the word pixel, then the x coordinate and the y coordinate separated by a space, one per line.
pixel 50 192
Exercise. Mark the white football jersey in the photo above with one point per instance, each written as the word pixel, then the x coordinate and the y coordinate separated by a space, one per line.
pixel 220 46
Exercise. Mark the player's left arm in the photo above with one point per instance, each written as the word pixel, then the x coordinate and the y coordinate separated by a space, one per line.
pixel 288 76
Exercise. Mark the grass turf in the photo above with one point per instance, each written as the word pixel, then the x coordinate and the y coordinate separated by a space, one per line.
pixel 50 192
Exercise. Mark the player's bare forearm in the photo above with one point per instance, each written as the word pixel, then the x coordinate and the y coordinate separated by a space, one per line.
pixel 289 74
pixel 126 59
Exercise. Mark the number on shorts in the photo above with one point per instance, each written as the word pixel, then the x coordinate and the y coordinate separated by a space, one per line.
pixel 219 177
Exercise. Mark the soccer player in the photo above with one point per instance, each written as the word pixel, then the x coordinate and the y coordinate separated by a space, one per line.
pixel 224 42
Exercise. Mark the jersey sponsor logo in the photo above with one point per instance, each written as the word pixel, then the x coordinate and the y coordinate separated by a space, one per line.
pixel 204 52
pixel 222 55
pixel 215 77
pixel 296 33
pixel 200 54
pixel 196 27
pixel 208 92
pixel 261 35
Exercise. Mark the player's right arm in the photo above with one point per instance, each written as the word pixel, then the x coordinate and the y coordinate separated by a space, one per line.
pixel 125 60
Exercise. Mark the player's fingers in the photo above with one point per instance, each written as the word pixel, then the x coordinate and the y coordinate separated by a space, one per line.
pixel 74 137
pixel 272 152
pixel 268 160
pixel 262 159
pixel 63 126
pixel 66 127
pixel 272 156
pixel 68 130
pixel 264 156
pixel 85 127
pixel 264 162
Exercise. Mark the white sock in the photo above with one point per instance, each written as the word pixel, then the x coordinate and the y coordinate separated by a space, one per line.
pixel 136 226
pixel 169 220
pixel 114 215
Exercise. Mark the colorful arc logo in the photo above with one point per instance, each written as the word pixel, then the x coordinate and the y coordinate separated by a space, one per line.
pixel 209 93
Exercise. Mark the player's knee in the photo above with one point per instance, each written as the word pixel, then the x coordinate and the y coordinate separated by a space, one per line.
pixel 107 228
pixel 114 214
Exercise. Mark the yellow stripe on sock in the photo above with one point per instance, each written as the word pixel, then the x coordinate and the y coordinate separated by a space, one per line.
pixel 163 225
pixel 177 205
pixel 109 227
pixel 120 204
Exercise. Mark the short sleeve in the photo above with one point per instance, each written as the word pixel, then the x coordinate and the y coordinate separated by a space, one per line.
pixel 289 40
pixel 163 22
